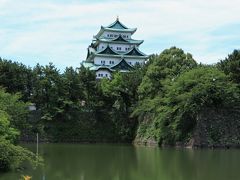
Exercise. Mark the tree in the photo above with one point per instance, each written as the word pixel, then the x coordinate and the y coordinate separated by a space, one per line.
pixel 120 97
pixel 168 65
pixel 47 91
pixel 16 77
pixel 161 70
pixel 191 92
pixel 16 109
pixel 11 155
pixel 231 66
pixel 89 84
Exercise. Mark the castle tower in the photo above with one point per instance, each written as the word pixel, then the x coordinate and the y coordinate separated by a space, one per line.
pixel 113 49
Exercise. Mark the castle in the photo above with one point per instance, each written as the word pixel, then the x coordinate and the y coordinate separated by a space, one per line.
pixel 113 49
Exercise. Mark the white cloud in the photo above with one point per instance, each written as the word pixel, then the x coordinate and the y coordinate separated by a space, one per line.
pixel 62 30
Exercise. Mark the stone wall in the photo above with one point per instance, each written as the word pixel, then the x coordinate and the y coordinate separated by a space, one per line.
pixel 217 128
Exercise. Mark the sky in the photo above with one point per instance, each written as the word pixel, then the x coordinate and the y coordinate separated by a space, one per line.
pixel 59 31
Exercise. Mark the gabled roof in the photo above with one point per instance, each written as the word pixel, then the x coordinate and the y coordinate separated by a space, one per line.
pixel 117 25
pixel 120 38
pixel 107 50
pixel 96 68
pixel 135 52
pixel 122 65
pixel 93 67
pixel 133 30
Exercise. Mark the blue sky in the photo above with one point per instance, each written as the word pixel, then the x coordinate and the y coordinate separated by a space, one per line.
pixel 60 31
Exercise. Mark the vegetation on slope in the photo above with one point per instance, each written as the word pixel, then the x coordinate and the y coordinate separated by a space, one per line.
pixel 160 102
pixel 170 114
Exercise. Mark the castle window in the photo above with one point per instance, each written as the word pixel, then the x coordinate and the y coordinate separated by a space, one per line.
pixel 102 62
pixel 119 48
pixel 106 75
pixel 115 35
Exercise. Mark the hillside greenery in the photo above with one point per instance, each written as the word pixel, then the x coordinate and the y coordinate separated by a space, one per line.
pixel 176 89
pixel 160 101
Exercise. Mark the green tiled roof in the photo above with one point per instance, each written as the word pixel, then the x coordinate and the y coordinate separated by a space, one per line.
pixel 94 67
pixel 122 65
pixel 108 50
pixel 119 40
pixel 132 30
pixel 135 52
pixel 117 25
pixel 87 64
pixel 121 56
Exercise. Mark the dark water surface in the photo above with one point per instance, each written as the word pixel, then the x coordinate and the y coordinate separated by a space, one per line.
pixel 126 162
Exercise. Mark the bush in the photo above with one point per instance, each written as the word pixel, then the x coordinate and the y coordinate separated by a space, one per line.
pixel 12 156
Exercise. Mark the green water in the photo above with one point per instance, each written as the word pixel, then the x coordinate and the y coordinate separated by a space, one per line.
pixel 126 162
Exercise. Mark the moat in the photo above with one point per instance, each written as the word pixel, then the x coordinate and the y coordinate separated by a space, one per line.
pixel 127 162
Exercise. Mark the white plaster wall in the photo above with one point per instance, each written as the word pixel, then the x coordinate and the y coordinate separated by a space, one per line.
pixel 123 47
pixel 134 61
pixel 115 34
pixel 103 74
pixel 102 46
pixel 97 60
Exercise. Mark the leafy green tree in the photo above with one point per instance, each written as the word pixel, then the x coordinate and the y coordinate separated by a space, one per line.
pixel 168 65
pixel 7 132
pixel 191 92
pixel 90 87
pixel 16 109
pixel 73 86
pixel 161 70
pixel 47 90
pixel 231 66
pixel 11 155
pixel 120 98
pixel 16 77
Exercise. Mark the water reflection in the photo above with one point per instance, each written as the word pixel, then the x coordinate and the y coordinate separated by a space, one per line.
pixel 125 162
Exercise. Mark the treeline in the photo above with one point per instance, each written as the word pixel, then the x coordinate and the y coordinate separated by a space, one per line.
pixel 160 102
pixel 73 106
pixel 185 103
